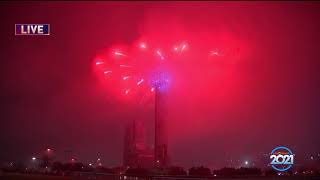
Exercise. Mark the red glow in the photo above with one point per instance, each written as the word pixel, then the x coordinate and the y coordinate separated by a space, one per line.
pixel 199 65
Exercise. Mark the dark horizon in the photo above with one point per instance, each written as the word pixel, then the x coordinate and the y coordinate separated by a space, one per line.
pixel 52 98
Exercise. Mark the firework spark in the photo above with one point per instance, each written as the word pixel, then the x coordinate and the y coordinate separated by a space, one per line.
pixel 126 77
pixel 107 72
pixel 160 54
pixel 139 82
pixel 119 53
pixel 153 74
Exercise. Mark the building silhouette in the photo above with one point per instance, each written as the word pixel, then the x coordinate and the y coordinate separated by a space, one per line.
pixel 136 152
pixel 161 131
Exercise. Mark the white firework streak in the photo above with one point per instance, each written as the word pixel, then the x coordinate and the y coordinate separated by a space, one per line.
pixel 125 66
pixel 141 81
pixel 119 54
pixel 107 72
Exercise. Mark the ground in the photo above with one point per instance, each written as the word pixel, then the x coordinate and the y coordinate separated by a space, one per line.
pixel 44 177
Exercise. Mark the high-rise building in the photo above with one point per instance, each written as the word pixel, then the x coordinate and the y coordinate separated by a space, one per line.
pixel 136 152
pixel 161 131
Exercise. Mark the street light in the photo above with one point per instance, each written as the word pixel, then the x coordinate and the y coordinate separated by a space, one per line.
pixel 34 158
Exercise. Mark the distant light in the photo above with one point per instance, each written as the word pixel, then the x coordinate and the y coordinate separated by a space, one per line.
pixel 48 149
pixel 72 159
pixel 143 45
pixel 34 158
pixel 141 81
pixel 127 91
pixel 158 161
pixel 152 89
pixel 246 162
pixel 175 48
pixel 90 164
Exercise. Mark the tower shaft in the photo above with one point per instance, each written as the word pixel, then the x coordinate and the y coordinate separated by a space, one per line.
pixel 161 130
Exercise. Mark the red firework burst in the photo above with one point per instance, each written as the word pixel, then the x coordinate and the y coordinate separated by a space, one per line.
pixel 144 69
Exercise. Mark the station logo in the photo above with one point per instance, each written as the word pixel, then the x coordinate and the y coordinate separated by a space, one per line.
pixel 282 158
pixel 32 29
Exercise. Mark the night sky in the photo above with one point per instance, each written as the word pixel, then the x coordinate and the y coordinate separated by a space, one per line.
pixel 52 98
